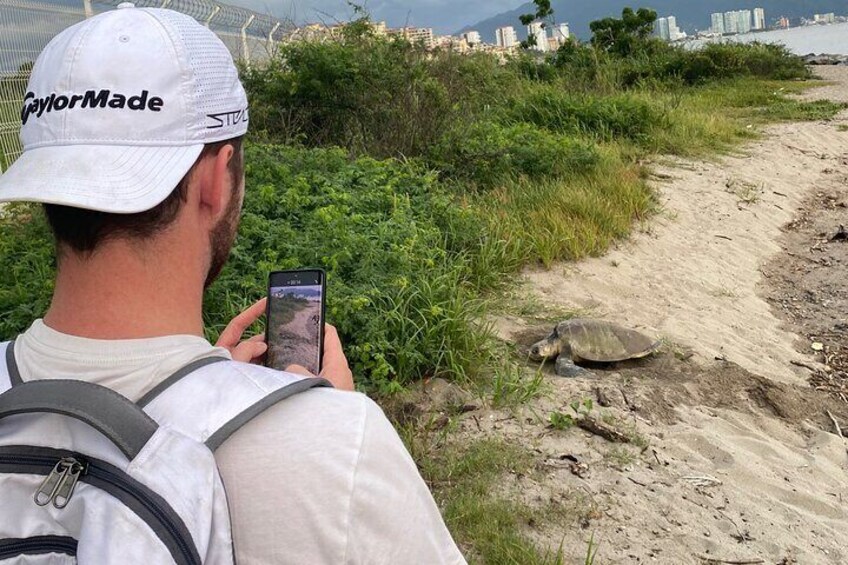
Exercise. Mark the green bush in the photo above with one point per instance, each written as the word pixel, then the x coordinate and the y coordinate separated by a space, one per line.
pixel 27 264
pixel 488 153
pixel 383 97
pixel 383 230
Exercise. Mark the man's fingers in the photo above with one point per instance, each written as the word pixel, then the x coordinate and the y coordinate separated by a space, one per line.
pixel 331 337
pixel 249 350
pixel 234 330
pixel 299 370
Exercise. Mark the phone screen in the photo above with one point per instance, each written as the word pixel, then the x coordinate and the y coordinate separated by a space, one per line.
pixel 295 329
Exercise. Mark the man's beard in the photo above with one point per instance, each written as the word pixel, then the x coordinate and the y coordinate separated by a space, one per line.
pixel 221 240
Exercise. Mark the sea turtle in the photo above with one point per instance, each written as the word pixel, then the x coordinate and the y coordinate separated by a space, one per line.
pixel 595 341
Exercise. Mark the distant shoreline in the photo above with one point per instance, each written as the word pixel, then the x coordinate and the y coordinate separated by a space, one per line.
pixel 830 39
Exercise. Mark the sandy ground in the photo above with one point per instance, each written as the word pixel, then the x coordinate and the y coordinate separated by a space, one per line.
pixel 732 456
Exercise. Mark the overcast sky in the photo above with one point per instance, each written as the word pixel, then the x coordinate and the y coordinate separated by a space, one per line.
pixel 445 16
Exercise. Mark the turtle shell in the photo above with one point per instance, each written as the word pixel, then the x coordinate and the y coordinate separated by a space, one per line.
pixel 604 342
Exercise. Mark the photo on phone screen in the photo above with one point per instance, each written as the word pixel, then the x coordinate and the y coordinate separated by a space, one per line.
pixel 295 319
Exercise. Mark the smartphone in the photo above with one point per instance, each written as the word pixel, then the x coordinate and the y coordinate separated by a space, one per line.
pixel 295 319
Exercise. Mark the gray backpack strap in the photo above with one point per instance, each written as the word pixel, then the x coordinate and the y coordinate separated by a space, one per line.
pixel 9 370
pixel 124 423
pixel 214 401
pixel 254 410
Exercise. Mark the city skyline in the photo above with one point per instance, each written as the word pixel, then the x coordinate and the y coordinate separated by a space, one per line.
pixel 444 16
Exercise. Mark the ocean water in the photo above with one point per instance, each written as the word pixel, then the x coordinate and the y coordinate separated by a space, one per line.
pixel 831 39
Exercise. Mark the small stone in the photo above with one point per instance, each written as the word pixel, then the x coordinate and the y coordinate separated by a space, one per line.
pixel 817 346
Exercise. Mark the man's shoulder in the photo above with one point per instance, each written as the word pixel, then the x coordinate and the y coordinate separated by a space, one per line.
pixel 320 414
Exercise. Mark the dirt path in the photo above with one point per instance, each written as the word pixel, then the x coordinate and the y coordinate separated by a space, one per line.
pixel 295 339
pixel 732 454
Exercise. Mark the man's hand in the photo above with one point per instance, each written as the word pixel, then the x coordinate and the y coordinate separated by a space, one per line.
pixel 250 350
pixel 335 367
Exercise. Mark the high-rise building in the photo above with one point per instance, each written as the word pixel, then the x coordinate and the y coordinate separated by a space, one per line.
pixel 422 35
pixel 506 37
pixel 825 18
pixel 674 31
pixel 731 22
pixel 783 22
pixel 667 30
pixel 717 23
pixel 473 38
pixel 663 30
pixel 759 18
pixel 744 18
pixel 536 30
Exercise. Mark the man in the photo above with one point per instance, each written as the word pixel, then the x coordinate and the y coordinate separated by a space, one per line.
pixel 132 128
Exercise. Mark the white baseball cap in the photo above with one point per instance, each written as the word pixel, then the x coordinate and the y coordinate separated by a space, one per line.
pixel 118 109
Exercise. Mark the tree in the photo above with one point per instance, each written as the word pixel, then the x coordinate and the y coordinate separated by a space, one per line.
pixel 625 35
pixel 544 12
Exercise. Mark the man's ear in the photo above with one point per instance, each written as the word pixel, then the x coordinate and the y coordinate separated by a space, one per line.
pixel 215 182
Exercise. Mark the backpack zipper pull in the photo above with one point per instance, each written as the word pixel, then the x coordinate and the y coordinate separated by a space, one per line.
pixel 58 486
pixel 66 486
pixel 47 490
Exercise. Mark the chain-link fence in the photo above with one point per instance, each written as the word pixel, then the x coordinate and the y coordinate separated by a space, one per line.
pixel 26 26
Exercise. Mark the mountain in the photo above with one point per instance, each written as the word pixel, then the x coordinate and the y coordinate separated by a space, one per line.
pixel 691 16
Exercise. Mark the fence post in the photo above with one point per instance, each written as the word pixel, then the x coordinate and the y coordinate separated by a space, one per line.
pixel 86 7
pixel 270 47
pixel 244 48
pixel 215 10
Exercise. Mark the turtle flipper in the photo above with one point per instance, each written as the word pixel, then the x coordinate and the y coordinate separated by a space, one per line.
pixel 565 367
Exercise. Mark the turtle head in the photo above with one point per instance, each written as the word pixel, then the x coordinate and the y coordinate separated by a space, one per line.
pixel 547 348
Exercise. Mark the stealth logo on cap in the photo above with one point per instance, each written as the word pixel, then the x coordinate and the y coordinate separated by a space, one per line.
pixel 89 99
pixel 227 119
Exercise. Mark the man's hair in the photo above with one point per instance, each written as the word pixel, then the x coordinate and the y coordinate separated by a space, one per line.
pixel 84 230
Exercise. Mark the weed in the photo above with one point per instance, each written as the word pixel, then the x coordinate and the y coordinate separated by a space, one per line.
pixel 560 421
pixel 746 192
pixel 620 456
pixel 723 292
pixel 591 551
pixel 841 127
pixel 512 387
pixel 487 526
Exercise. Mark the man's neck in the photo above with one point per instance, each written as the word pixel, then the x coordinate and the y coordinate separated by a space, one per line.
pixel 120 292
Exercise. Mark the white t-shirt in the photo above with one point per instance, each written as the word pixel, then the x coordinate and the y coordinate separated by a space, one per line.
pixel 321 477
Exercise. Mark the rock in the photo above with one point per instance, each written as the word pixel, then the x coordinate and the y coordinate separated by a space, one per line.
pixel 445 395
pixel 825 59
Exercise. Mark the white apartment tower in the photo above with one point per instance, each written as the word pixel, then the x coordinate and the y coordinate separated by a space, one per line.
pixel 759 18
pixel 744 21
pixel 731 22
pixel 662 29
pixel 473 38
pixel 717 23
pixel 537 31
pixel 506 37
pixel 673 31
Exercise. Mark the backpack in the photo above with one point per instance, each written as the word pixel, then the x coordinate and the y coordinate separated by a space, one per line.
pixel 87 476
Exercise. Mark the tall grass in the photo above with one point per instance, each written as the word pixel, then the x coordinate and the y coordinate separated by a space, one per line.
pixel 570 218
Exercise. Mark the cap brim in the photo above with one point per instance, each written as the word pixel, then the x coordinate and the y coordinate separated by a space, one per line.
pixel 108 178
